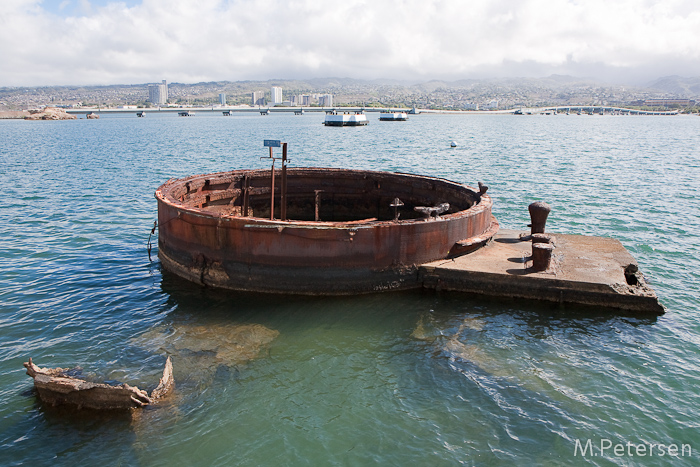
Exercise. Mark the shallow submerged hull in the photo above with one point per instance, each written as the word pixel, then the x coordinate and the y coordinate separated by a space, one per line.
pixel 357 246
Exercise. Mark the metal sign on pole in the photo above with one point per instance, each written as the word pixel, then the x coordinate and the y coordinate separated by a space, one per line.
pixel 283 194
pixel 275 143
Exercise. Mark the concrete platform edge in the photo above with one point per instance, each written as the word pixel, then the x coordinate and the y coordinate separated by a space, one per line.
pixel 490 272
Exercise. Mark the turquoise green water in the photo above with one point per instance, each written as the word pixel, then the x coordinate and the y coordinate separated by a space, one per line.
pixel 413 378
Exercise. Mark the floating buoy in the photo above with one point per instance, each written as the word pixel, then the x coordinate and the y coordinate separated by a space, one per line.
pixel 453 144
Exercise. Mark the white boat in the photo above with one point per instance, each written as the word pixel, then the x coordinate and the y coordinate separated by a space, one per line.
pixel 388 116
pixel 335 118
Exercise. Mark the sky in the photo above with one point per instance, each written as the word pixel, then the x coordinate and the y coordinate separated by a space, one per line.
pixel 102 42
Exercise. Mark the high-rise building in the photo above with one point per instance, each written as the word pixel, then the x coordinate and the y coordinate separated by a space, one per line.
pixel 158 93
pixel 276 95
pixel 258 97
pixel 222 98
pixel 325 100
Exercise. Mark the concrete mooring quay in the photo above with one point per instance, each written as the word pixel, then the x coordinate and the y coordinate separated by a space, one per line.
pixel 595 271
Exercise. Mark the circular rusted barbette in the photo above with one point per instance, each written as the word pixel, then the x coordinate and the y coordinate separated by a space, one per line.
pixel 344 231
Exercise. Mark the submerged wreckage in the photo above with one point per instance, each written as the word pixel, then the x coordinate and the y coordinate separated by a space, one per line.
pixel 56 386
pixel 332 231
pixel 322 231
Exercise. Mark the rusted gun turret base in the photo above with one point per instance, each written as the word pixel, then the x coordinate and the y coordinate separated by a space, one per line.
pixel 585 270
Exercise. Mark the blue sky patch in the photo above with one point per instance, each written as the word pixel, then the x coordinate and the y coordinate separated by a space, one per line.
pixel 66 8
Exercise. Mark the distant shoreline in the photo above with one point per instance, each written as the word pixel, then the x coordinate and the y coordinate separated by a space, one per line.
pixel 48 113
pixel 13 114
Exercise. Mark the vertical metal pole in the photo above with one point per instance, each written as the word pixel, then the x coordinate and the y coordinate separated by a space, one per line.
pixel 246 190
pixel 317 217
pixel 272 188
pixel 283 187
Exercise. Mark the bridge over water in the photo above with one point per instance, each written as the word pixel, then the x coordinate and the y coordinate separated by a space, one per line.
pixel 589 110
pixel 230 110
pixel 226 110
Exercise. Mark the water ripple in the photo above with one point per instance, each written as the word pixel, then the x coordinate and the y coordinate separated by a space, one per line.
pixel 390 379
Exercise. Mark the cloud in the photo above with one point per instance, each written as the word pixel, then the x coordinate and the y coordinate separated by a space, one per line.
pixel 105 42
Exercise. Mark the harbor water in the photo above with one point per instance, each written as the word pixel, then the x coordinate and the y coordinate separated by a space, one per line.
pixel 409 378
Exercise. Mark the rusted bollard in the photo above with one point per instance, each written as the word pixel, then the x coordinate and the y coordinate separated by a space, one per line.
pixel 542 238
pixel 396 205
pixel 541 256
pixel 538 216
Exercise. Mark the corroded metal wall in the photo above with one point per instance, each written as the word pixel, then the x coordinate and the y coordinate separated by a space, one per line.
pixel 207 240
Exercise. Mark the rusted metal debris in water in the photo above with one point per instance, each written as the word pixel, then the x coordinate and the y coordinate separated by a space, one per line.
pixel 56 386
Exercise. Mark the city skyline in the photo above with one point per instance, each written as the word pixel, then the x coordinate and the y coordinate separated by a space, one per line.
pixel 459 95
pixel 101 42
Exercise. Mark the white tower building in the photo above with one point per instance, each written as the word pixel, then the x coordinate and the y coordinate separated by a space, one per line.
pixel 158 93
pixel 276 95
pixel 258 97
